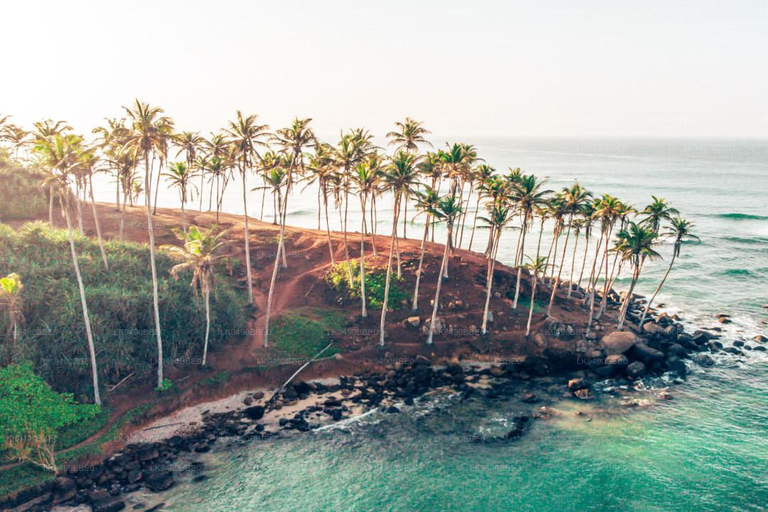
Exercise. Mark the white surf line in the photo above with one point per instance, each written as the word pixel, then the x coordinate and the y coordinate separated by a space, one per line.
pixel 346 421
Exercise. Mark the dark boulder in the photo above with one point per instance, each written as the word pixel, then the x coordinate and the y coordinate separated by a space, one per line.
pixel 676 365
pixel 64 489
pixel 255 412
pixel 159 481
pixel 102 501
pixel 636 370
pixel 645 353
pixel 703 360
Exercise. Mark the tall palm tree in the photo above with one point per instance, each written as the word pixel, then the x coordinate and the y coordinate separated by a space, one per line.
pixel 529 197
pixel 499 217
pixel 180 176
pixel 61 154
pixel 400 177
pixel 293 140
pixel 12 302
pixel 607 210
pixel 634 244
pixel 322 171
pixel 535 268
pixel 246 135
pixel 148 127
pixel 111 140
pixel 680 230
pixel 201 250
pixel 426 203
pixel 447 210
pixel 573 201
pixel 366 179
pixel 622 219
pixel 190 143
pixel 482 174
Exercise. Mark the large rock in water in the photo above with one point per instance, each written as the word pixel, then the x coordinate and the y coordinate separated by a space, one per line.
pixel 647 354
pixel 619 342
pixel 636 370
pixel 703 360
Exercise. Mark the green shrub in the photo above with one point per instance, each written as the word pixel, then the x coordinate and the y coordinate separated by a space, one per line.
pixel 375 283
pixel 303 333
pixel 119 303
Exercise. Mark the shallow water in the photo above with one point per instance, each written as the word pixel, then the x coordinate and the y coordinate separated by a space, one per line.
pixel 705 450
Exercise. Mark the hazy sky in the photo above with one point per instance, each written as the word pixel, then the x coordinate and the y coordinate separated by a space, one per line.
pixel 623 68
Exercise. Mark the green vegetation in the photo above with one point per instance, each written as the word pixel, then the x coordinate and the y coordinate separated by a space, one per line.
pixel 305 332
pixel 53 334
pixel 215 381
pixel 23 185
pixel 22 477
pixel 375 283
pixel 32 414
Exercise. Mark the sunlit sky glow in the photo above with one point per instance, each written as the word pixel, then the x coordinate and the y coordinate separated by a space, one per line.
pixel 552 68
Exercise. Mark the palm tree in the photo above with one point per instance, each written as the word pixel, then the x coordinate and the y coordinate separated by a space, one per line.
pixel 447 210
pixel 180 176
pixel 245 135
pixel 190 143
pixel 294 140
pixel 12 302
pixel 607 210
pixel 408 135
pixel 426 203
pixel 200 252
pixel 499 216
pixel 147 136
pixel 366 179
pixel 680 230
pixel 481 175
pixel 112 138
pixel 573 201
pixel 535 267
pixel 529 198
pixel 658 211
pixel 634 244
pixel 323 172
pixel 61 154
pixel 400 177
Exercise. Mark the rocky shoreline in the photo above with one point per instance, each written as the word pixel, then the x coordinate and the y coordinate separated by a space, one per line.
pixel 616 360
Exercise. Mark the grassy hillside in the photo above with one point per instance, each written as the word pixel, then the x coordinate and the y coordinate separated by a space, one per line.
pixel 120 302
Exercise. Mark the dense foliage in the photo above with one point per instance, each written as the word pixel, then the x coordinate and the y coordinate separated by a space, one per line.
pixel 21 186
pixel 53 334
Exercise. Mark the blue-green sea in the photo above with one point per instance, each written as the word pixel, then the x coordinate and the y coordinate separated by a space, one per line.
pixel 706 449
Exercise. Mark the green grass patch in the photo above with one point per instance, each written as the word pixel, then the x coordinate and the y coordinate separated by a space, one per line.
pixel 305 332
pixel 22 477
pixel 215 381
pixel 375 283
pixel 79 432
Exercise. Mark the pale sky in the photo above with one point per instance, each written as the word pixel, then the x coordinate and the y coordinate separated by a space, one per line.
pixel 523 68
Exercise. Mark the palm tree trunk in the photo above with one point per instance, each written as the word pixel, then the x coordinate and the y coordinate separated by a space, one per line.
pixel 84 304
pixel 202 187
pixel 247 236
pixel 405 222
pixel 474 222
pixel 560 270
pixel 207 293
pixel 328 227
pixel 344 229
pixel 437 291
pixel 592 284
pixel 153 265
pixel 489 284
pixel 50 206
pixel 658 288
pixel 389 271
pixel 628 297
pixel 519 263
pixel 573 266
pixel 373 223
pixel 157 185
pixel 98 227
pixel 583 263
pixel 530 309
pixel 415 306
pixel 362 259
pixel 464 215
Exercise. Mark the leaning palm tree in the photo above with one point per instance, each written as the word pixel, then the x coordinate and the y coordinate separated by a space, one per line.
pixel 634 244
pixel 534 267
pixel 201 251
pixel 148 130
pixel 190 143
pixel 12 302
pixel 61 154
pixel 89 161
pixel 498 217
pixel 426 203
pixel 447 210
pixel 180 176
pixel 400 177
pixel 607 210
pixel 294 141
pixel 680 230
pixel 245 135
